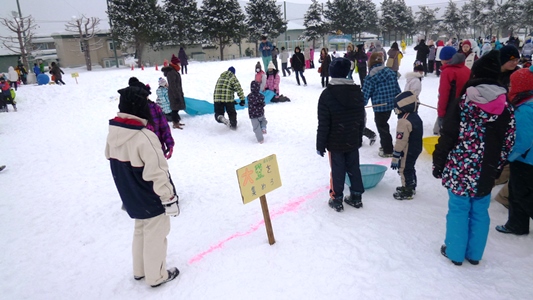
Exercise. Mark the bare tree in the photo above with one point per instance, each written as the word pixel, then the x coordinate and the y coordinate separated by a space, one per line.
pixel 21 43
pixel 85 30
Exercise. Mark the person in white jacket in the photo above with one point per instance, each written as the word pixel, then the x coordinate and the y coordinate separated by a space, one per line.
pixel 414 79
pixel 13 77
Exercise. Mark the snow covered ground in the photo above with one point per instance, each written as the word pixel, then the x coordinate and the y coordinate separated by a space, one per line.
pixel 64 236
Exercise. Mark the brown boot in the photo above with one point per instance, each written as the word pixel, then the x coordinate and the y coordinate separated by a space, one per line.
pixel 176 125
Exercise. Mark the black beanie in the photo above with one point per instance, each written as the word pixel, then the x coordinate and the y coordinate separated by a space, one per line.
pixel 488 66
pixel 133 81
pixel 133 101
pixel 508 53
pixel 339 67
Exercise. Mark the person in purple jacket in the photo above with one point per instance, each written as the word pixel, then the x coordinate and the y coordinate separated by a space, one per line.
pixel 183 59
pixel 159 123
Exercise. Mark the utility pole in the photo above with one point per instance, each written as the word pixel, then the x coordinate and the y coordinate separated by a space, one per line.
pixel 112 36
pixel 285 16
pixel 24 59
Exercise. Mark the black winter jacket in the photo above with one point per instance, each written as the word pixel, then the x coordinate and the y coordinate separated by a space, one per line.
pixel 341 117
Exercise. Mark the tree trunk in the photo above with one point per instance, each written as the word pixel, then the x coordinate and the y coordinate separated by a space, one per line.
pixel 88 56
pixel 221 51
pixel 256 49
pixel 139 53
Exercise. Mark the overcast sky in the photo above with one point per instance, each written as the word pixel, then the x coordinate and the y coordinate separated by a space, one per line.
pixel 51 15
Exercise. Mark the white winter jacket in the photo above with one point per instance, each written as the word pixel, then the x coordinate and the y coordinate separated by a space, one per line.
pixel 413 83
pixel 12 75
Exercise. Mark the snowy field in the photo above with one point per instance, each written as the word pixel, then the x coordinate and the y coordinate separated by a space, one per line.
pixel 64 236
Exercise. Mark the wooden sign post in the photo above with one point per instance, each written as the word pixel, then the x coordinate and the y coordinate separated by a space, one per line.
pixel 255 181
pixel 75 76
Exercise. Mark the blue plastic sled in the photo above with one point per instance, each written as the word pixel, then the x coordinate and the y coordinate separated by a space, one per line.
pixel 195 107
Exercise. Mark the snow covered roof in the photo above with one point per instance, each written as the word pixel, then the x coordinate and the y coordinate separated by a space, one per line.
pixel 294 25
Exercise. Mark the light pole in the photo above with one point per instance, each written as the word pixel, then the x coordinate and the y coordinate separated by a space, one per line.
pixel 112 36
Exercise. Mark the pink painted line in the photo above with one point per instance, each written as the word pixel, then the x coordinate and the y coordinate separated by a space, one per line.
pixel 292 205
pixel 383 162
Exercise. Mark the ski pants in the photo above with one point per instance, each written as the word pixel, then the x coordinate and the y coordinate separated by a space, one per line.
pixel 467 227
pixel 284 68
pixel 407 169
pixel 382 123
pixel 520 197
pixel 343 163
pixel 266 60
pixel 259 124
pixel 361 69
pixel 150 248
pixel 438 65
pixel 229 107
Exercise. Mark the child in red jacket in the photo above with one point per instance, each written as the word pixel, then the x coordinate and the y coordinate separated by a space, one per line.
pixel 5 95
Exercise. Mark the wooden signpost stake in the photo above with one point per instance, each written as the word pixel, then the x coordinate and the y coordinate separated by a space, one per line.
pixel 75 76
pixel 255 181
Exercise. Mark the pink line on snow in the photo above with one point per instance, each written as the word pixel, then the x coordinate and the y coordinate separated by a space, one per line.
pixel 293 205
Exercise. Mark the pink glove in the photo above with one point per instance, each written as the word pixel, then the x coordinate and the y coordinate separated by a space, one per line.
pixel 169 153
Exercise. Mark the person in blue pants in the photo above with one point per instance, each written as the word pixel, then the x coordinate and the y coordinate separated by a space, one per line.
pixel 476 137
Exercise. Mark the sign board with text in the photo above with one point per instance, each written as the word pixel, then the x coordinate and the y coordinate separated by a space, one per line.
pixel 259 178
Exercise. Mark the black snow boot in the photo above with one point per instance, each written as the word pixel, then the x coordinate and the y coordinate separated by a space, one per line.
pixel 172 274
pixel 354 200
pixel 405 193
pixel 336 204
pixel 443 252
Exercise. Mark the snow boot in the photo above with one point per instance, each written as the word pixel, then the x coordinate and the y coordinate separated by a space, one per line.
pixel 443 252
pixel 503 229
pixel 383 154
pixel 399 188
pixel 172 274
pixel 176 125
pixel 336 204
pixel 354 200
pixel 2 167
pixel 405 193
pixel 223 120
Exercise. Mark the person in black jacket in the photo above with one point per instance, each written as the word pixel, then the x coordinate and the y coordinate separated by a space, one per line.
pixel 341 121
pixel 422 52
pixel 361 59
pixel 298 65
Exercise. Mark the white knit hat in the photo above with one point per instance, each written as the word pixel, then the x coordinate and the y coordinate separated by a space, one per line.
pixel 271 65
pixel 162 81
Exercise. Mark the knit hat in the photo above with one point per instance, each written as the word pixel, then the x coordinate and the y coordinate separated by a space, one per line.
pixel 271 65
pixel 467 42
pixel 231 69
pixel 488 66
pixel 339 67
pixel 418 66
pixel 132 81
pixel 174 59
pixel 508 53
pixel 447 52
pixel 440 43
pixel 133 101
pixel 521 82
pixel 162 81
pixel 258 66
pixel 375 58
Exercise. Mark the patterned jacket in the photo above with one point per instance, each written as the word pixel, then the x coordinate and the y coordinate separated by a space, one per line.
pixel 381 85
pixel 256 101
pixel 476 138
pixel 160 127
pixel 162 99
pixel 227 86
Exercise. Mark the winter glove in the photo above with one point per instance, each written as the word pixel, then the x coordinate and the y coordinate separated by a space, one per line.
pixel 395 163
pixel 168 155
pixel 171 207
pixel 440 121
pixel 242 103
pixel 320 152
pixel 437 173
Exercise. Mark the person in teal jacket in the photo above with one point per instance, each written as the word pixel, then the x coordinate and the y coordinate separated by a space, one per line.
pixel 521 158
